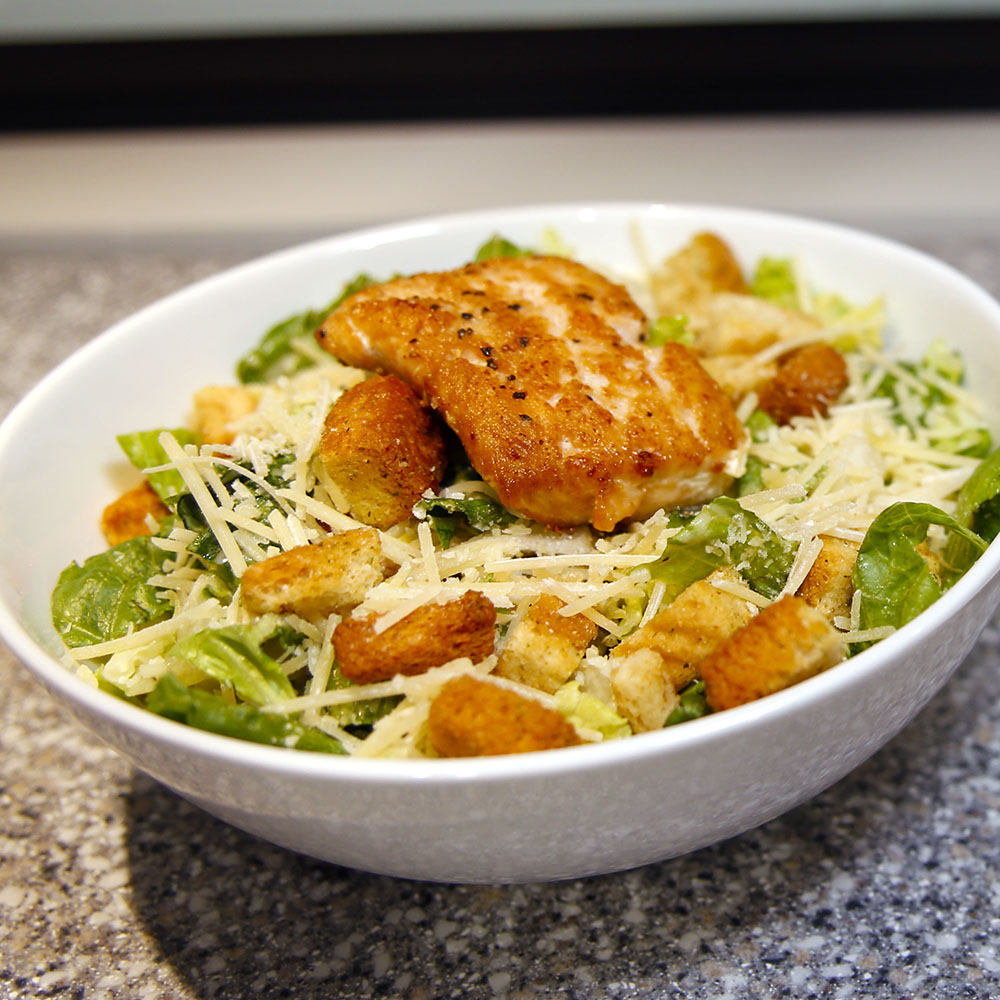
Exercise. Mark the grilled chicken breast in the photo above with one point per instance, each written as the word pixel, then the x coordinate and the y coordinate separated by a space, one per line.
pixel 537 364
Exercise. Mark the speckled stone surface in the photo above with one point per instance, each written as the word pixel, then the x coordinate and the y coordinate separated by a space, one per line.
pixel 885 886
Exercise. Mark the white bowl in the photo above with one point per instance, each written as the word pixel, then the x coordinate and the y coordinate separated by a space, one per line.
pixel 556 814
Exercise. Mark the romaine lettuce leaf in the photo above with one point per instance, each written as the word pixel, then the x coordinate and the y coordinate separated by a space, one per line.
pixel 108 595
pixel 692 704
pixel 722 533
pixel 583 709
pixel 894 581
pixel 145 452
pixel 669 328
pixel 774 279
pixel 276 353
pixel 498 246
pixel 234 655
pixel 203 710
pixel 447 514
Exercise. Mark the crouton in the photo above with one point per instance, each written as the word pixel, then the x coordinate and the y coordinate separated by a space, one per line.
pixel 704 266
pixel 806 383
pixel 471 717
pixel 216 407
pixel 382 449
pixel 643 691
pixel 727 323
pixel 126 517
pixel 544 648
pixel 689 628
pixel 786 643
pixel 326 577
pixel 431 635
pixel 829 584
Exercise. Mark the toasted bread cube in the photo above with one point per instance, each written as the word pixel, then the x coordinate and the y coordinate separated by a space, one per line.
pixel 382 449
pixel 806 383
pixel 644 693
pixel 704 266
pixel 786 643
pixel 126 517
pixel 544 648
pixel 690 627
pixel 829 584
pixel 728 323
pixel 471 717
pixel 217 406
pixel 326 577
pixel 431 635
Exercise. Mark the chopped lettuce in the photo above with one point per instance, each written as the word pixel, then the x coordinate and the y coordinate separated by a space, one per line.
pixel 925 387
pixel 144 451
pixel 722 533
pixel 204 710
pixel 588 711
pixel 108 595
pixel 234 655
pixel 448 514
pixel 692 704
pixel 498 246
pixel 670 328
pixel 277 353
pixel 774 279
pixel 894 580
pixel 357 714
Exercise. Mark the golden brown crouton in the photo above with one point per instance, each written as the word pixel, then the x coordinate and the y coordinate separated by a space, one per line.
pixel 316 580
pixel 431 635
pixel 690 627
pixel 727 323
pixel 544 648
pixel 474 718
pixel 217 406
pixel 125 517
pixel 786 643
pixel 806 383
pixel 644 693
pixel 704 266
pixel 829 584
pixel 382 449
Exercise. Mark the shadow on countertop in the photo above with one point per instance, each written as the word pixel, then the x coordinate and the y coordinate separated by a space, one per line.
pixel 878 886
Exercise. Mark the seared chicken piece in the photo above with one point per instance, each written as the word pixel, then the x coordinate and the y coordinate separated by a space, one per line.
pixel 537 364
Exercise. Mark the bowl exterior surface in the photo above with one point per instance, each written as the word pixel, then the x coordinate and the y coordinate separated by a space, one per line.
pixel 559 814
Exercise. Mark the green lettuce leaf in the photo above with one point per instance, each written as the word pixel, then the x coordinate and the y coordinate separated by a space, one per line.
pixel 722 533
pixel 894 581
pixel 234 655
pixel 108 595
pixel 497 246
pixel 692 704
pixel 203 710
pixel 583 709
pixel 276 353
pixel 448 514
pixel 774 279
pixel 144 452
pixel 357 714
pixel 669 328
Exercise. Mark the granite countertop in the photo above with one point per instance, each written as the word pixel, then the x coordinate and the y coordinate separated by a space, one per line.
pixel 887 885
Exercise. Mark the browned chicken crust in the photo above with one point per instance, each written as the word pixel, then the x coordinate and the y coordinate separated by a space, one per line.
pixel 474 718
pixel 806 383
pixel 382 449
pixel 125 517
pixel 784 644
pixel 537 364
pixel 428 637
